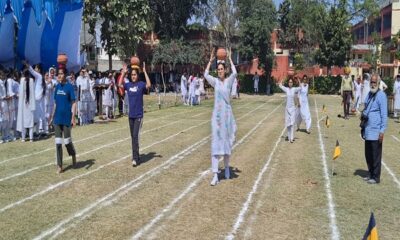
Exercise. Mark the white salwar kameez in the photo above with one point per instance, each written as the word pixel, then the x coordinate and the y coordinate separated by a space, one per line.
pixel 4 112
pixel 290 110
pixel 366 89
pixel 396 93
pixel 85 98
pixel 39 118
pixel 234 89
pixel 304 112
pixel 223 123
pixel 48 103
pixel 358 94
pixel 26 110
pixel 184 91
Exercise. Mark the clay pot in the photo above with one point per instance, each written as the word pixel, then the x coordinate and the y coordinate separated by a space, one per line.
pixel 135 61
pixel 221 54
pixel 62 58
pixel 347 70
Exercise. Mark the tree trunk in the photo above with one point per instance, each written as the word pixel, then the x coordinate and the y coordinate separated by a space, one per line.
pixel 162 77
pixel 109 62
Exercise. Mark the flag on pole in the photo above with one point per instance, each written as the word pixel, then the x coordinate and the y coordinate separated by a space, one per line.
pixel 327 122
pixel 372 232
pixel 337 151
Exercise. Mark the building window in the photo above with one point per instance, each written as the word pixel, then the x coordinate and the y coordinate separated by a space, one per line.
pixel 378 25
pixel 387 21
pixel 359 56
pixel 354 56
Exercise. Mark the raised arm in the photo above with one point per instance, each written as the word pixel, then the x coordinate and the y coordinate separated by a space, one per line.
pixel 233 75
pixel 148 83
pixel 210 79
pixel 122 75
pixel 282 87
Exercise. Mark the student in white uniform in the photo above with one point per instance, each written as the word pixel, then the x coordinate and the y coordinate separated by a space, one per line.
pixel 40 90
pixel 365 88
pixel 4 109
pixel 48 101
pixel 256 79
pixel 305 114
pixel 184 89
pixel 290 110
pixel 396 94
pixel 84 97
pixel 358 93
pixel 26 106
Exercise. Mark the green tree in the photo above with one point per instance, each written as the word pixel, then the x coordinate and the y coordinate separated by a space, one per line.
pixel 169 17
pixel 336 40
pixel 123 23
pixel 257 22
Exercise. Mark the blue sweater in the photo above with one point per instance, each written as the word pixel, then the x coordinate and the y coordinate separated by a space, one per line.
pixel 377 116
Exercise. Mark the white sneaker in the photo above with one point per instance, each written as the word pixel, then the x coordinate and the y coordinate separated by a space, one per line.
pixel 227 173
pixel 214 181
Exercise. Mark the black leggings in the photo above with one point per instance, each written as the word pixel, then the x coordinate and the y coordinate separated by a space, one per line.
pixel 135 124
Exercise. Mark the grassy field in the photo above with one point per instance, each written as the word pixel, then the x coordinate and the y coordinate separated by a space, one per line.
pixel 278 190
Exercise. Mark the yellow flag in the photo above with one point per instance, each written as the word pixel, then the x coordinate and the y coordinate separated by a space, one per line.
pixel 323 109
pixel 337 151
pixel 372 232
pixel 327 122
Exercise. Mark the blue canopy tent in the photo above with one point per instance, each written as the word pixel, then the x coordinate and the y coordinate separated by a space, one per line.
pixel 45 28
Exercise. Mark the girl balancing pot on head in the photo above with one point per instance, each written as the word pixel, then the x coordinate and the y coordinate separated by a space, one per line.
pixel 135 89
pixel 223 123
pixel 63 117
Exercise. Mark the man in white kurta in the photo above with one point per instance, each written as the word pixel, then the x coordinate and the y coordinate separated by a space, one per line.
pixel 304 106
pixel 223 123
pixel 26 108
pixel 84 97
pixel 396 94
pixel 290 110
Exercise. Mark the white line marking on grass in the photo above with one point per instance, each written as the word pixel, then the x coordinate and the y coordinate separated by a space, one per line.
pixel 335 235
pixel 110 198
pixel 246 205
pixel 391 174
pixel 395 138
pixel 82 140
pixel 54 186
pixel 57 185
pixel 193 184
pixel 81 154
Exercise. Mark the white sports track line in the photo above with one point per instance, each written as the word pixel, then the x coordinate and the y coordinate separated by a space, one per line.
pixel 110 198
pixel 193 184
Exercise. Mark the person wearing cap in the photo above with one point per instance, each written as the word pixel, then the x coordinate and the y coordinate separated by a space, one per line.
pixel 223 124
pixel 396 95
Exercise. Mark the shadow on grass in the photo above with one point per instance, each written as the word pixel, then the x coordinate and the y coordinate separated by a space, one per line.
pixel 81 164
pixel 361 172
pixel 233 170
pixel 148 156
